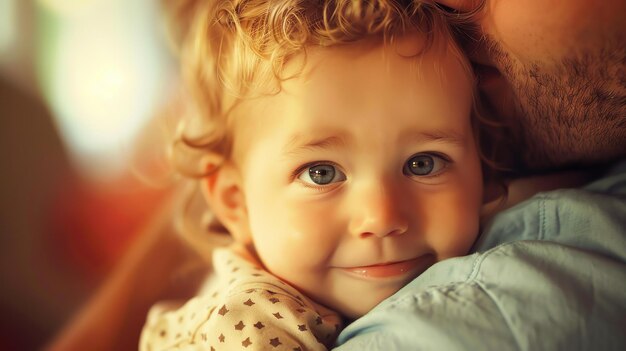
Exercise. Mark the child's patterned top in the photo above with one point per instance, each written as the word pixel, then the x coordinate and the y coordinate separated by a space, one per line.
pixel 247 309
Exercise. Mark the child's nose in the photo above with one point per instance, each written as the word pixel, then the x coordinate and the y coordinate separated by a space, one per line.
pixel 378 211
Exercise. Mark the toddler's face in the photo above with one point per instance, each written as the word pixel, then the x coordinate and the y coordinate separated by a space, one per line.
pixel 362 172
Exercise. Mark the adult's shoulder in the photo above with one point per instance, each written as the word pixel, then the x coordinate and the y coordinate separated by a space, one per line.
pixel 547 274
pixel 518 296
pixel 592 218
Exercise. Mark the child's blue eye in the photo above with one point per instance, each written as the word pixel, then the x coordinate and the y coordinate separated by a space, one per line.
pixel 424 165
pixel 322 174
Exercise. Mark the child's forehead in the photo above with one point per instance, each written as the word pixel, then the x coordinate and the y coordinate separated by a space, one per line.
pixel 409 45
pixel 364 84
pixel 409 61
pixel 323 74
pixel 378 51
pixel 405 77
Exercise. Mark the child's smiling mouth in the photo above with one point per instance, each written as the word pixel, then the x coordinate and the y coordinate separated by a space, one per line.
pixel 392 269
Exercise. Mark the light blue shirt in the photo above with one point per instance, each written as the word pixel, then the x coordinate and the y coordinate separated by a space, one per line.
pixel 547 274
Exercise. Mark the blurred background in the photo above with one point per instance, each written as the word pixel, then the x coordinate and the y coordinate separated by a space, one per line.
pixel 80 82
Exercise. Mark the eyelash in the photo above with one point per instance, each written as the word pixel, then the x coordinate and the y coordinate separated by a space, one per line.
pixel 296 173
pixel 443 157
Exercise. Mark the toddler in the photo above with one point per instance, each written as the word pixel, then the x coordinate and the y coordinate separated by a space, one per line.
pixel 343 161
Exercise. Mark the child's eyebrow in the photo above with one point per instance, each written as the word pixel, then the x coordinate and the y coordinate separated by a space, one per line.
pixel 300 142
pixel 445 136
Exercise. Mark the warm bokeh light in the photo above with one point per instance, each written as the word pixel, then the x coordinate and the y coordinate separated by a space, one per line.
pixel 104 70
pixel 79 80
pixel 69 7
pixel 7 24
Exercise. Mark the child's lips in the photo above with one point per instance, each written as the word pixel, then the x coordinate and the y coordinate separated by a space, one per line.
pixel 392 269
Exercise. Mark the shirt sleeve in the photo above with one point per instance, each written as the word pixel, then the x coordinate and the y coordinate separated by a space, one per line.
pixel 530 295
pixel 549 274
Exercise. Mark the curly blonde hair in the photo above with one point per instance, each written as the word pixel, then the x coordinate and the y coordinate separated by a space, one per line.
pixel 231 50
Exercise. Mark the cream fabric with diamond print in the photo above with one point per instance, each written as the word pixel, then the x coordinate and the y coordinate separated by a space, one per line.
pixel 247 309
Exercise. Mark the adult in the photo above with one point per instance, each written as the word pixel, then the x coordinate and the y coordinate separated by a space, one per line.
pixel 555 72
pixel 549 273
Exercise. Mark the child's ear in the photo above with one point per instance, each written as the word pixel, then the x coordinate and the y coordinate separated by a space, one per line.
pixel 224 193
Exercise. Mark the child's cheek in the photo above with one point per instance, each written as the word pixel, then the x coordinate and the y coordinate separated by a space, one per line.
pixel 302 243
pixel 312 229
